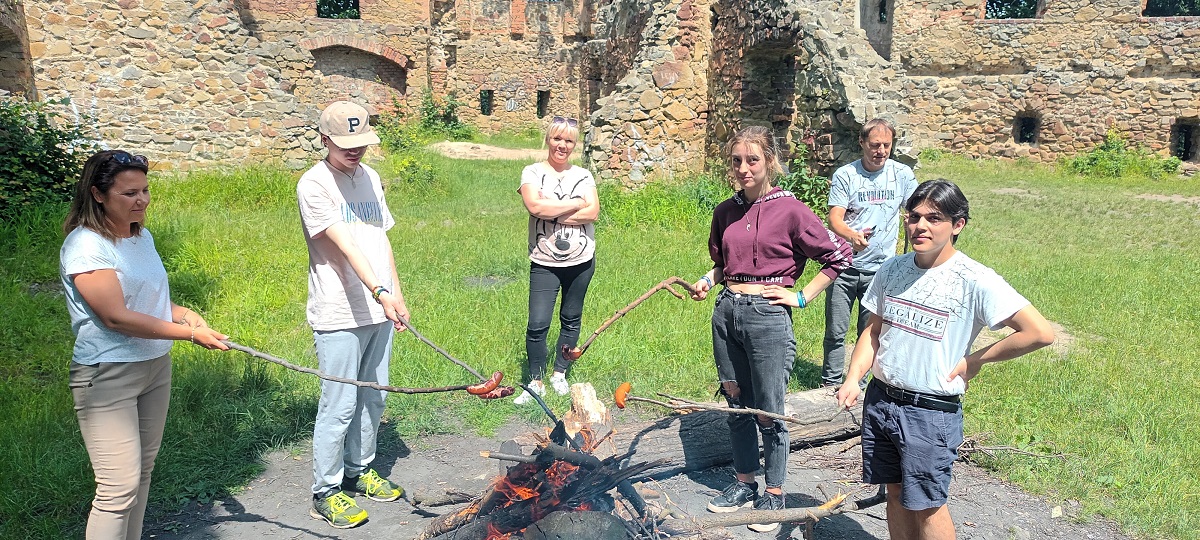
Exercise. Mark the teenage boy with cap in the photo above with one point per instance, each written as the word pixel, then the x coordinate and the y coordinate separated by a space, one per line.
pixel 354 304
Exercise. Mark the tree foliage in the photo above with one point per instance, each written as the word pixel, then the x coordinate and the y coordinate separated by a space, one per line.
pixel 1011 9
pixel 41 154
pixel 1172 8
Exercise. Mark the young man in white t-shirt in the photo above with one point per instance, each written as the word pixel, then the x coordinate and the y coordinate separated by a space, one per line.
pixel 354 306
pixel 927 308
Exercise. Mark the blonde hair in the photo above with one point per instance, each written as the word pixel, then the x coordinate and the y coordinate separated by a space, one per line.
pixel 765 140
pixel 563 128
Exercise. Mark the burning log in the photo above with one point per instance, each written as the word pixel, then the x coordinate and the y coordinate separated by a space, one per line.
pixel 700 440
pixel 553 479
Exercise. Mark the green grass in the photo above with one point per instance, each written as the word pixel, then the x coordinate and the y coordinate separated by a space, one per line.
pixel 1111 268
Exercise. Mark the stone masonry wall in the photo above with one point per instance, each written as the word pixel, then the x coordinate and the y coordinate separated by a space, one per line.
pixel 661 84
pixel 1084 67
pixel 653 121
pixel 236 80
pixel 806 70
pixel 15 75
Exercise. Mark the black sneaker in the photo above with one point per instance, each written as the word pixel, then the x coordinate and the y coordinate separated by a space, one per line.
pixel 737 495
pixel 768 501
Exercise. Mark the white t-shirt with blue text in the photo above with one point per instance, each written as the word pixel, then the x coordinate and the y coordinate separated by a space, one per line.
pixel 873 200
pixel 931 317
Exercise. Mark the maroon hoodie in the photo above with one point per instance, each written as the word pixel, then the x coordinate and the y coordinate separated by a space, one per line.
pixel 769 240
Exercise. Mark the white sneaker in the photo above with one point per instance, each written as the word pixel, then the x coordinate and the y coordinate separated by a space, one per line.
pixel 537 387
pixel 559 382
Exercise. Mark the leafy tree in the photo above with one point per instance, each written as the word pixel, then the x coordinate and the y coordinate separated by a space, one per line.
pixel 1013 9
pixel 41 154
pixel 337 9
pixel 1172 8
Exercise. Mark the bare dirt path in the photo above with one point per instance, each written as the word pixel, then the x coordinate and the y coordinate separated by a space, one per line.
pixel 275 505
pixel 470 150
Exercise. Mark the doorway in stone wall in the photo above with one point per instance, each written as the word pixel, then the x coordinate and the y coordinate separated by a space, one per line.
pixel 348 73
pixel 16 74
pixel 875 18
pixel 766 95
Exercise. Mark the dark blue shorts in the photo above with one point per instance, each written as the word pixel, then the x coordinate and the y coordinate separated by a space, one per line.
pixel 911 446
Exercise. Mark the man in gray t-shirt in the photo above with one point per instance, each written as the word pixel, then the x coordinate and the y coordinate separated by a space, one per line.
pixel 865 198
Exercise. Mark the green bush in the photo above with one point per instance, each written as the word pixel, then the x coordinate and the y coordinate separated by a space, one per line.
pixel 438 120
pixel 41 154
pixel 440 116
pixel 1116 158
pixel 810 188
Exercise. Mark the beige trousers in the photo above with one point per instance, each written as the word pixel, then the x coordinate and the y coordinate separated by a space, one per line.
pixel 122 410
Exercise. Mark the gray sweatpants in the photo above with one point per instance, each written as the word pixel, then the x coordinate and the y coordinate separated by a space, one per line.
pixel 347 424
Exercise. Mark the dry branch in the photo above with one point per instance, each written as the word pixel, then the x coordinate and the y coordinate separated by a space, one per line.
pixel 681 404
pixel 396 389
pixel 837 505
pixel 575 353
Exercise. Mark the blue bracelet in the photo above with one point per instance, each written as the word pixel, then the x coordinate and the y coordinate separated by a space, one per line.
pixel 708 279
pixel 800 299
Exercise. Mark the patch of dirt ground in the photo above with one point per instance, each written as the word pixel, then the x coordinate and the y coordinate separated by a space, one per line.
pixel 470 150
pixel 276 504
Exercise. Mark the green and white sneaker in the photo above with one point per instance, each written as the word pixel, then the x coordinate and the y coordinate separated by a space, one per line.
pixel 338 509
pixel 375 487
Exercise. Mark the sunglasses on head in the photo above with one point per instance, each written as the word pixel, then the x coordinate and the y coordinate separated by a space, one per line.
pixel 564 120
pixel 125 158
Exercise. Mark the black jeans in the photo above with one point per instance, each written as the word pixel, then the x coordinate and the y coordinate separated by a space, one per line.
pixel 544 284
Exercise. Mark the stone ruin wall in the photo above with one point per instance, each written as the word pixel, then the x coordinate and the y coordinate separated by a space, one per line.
pixel 1083 67
pixel 803 69
pixel 237 80
pixel 652 71
pixel 15 74
pixel 661 83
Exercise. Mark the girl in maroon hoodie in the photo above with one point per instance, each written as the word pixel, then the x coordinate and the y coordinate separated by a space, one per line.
pixel 760 240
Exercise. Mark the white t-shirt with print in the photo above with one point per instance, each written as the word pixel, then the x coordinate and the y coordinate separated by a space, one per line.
pixel 337 298
pixel 552 243
pixel 931 317
pixel 144 285
pixel 873 200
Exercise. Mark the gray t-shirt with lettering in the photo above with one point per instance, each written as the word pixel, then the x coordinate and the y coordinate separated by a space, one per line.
pixel 872 201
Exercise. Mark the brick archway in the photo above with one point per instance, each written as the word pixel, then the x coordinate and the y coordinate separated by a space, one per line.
pixel 312 44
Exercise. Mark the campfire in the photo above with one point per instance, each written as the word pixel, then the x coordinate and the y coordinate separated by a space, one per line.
pixel 560 486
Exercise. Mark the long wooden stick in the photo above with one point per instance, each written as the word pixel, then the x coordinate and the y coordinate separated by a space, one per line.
pixel 397 389
pixel 680 404
pixel 837 505
pixel 440 350
pixel 574 354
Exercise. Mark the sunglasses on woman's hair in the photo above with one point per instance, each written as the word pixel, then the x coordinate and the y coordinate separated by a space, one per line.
pixel 125 158
pixel 564 120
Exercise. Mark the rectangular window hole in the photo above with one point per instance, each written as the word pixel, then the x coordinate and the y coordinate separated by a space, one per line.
pixel 1025 129
pixel 338 9
pixel 485 101
pixel 543 103
pixel 1185 140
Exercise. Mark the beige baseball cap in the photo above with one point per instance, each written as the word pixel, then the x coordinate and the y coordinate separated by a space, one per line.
pixel 347 124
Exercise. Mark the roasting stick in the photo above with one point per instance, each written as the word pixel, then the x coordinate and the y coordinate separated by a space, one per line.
pixel 574 354
pixel 322 375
